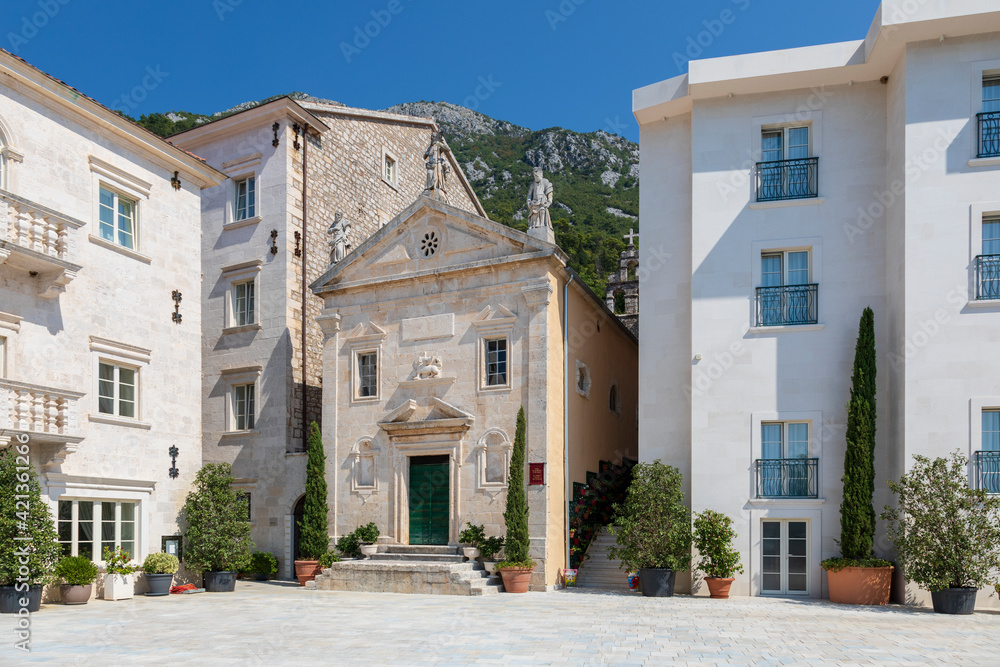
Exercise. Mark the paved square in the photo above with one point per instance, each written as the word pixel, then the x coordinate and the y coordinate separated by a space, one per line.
pixel 280 624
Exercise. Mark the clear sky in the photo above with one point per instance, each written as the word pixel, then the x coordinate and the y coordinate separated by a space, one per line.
pixel 536 63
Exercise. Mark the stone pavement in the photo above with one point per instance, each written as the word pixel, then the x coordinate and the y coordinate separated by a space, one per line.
pixel 281 624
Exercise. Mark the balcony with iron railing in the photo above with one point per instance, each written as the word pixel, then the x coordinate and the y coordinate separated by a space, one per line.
pixel 988 471
pixel 39 242
pixel 787 478
pixel 987 277
pixel 989 133
pixel 787 305
pixel 778 180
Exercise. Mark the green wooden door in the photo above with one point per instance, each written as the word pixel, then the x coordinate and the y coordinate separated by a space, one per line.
pixel 429 494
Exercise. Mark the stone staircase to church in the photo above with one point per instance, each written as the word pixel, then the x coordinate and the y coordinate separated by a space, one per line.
pixel 597 570
pixel 396 568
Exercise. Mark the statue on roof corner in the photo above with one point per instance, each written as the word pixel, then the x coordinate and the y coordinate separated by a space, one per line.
pixel 338 244
pixel 539 201
pixel 436 157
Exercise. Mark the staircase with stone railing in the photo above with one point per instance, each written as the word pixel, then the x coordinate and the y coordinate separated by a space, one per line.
pixel 396 568
pixel 599 571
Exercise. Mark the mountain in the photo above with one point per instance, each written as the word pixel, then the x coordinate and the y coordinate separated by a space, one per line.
pixel 595 175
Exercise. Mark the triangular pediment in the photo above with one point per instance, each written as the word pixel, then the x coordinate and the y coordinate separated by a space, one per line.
pixel 366 332
pixel 431 236
pixel 434 414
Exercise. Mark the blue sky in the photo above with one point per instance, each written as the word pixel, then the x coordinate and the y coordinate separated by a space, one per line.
pixel 537 63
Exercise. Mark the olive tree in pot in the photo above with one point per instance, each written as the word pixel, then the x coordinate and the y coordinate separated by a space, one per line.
pixel 858 577
pixel 76 576
pixel 946 534
pixel 713 538
pixel 315 540
pixel 28 540
pixel 653 528
pixel 217 540
pixel 517 566
pixel 158 571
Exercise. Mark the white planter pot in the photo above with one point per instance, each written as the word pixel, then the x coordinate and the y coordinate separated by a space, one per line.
pixel 490 566
pixel 119 586
pixel 470 552
pixel 369 549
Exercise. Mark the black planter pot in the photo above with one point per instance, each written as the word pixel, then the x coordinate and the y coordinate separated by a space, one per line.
pixel 656 583
pixel 158 584
pixel 10 598
pixel 220 582
pixel 954 600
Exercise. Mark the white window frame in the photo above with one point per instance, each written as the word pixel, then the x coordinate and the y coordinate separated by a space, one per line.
pixel 802 118
pixel 392 180
pixel 979 71
pixel 251 207
pixel 356 372
pixel 758 249
pixel 484 362
pixel 121 183
pixel 785 129
pixel 978 213
pixel 116 231
pixel 239 377
pixel 785 439
pixel 97 551
pixel 785 252
pixel 483 450
pixel 116 384
pixel 359 343
pixel 489 325
pixel 248 312
pixel 126 356
pixel 238 274
pixel 249 399
pixel 240 169
pixel 818 429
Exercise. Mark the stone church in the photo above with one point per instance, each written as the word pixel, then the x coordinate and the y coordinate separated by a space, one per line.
pixel 437 329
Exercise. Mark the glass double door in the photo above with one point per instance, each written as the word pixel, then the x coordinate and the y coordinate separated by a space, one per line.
pixel 784 557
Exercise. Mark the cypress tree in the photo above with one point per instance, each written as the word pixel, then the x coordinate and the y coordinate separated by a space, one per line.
pixel 857 515
pixel 516 513
pixel 315 539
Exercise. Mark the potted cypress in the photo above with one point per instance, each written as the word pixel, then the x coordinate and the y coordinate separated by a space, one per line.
pixel 217 540
pixel 946 534
pixel 713 538
pixel 76 575
pixel 26 532
pixel 158 571
pixel 315 540
pixel 653 530
pixel 517 566
pixel 858 577
pixel 118 581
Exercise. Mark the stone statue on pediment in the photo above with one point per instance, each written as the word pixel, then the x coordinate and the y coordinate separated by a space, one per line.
pixel 539 201
pixel 436 158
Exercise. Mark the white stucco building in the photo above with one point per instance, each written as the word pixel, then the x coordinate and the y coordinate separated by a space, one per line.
pixel 99 232
pixel 791 189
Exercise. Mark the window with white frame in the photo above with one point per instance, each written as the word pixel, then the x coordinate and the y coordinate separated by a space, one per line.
pixel 784 143
pixel 988 263
pixel 987 460
pixel 117 390
pixel 785 469
pixel 367 365
pixel 245 206
pixel 991 92
pixel 117 214
pixel 786 170
pixel 243 302
pixel 496 362
pixel 785 295
pixel 244 406
pixel 88 527
pixel 389 169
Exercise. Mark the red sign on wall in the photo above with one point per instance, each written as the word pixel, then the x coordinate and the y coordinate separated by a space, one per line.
pixel 536 474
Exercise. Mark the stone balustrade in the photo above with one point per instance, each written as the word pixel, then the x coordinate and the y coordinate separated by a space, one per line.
pixel 46 413
pixel 36 228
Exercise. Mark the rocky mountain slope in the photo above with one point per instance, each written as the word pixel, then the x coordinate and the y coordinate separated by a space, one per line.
pixel 595 175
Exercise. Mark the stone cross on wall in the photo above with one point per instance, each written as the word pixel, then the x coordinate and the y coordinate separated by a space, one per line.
pixel 631 236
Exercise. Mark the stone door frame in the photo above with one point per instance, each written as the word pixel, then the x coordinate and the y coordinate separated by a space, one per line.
pixel 400 491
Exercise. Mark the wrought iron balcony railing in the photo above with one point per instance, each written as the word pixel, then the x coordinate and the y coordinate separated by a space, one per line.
pixel 987 277
pixel 787 305
pixel 989 133
pixel 988 471
pixel 787 478
pixel 788 179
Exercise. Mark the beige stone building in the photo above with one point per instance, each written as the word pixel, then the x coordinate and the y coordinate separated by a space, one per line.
pixel 437 329
pixel 293 169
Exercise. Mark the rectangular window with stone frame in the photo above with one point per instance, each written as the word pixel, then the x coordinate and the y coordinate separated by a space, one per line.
pixel 87 527
pixel 244 407
pixel 246 199
pixel 117 390
pixel 367 374
pixel 496 362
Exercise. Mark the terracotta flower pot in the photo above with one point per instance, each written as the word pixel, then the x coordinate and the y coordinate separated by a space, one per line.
pixel 516 579
pixel 718 587
pixel 306 570
pixel 860 585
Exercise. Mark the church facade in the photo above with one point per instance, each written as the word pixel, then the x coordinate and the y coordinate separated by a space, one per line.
pixel 437 330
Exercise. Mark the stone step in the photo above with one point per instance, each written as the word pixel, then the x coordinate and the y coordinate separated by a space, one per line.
pixel 408 576
pixel 417 557
pixel 420 549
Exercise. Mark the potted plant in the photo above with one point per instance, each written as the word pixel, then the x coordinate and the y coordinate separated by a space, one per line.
pixel 118 581
pixel 158 571
pixel 472 537
pixel 76 575
pixel 315 540
pixel 653 530
pixel 367 537
pixel 328 559
pixel 713 538
pixel 263 566
pixel 349 545
pixel 517 566
pixel 858 577
pixel 489 548
pixel 26 533
pixel 946 534
pixel 217 539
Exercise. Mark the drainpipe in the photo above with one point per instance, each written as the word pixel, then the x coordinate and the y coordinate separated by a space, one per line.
pixel 305 235
pixel 568 489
